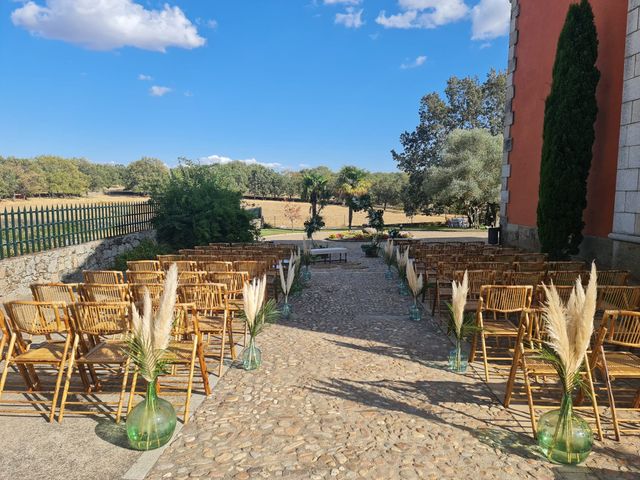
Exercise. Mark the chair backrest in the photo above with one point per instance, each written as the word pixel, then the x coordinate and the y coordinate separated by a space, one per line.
pixel 55 292
pixel 145 277
pixel 505 298
pixel 185 320
pixel 103 276
pixel 255 268
pixel 170 258
pixel 568 277
pixel 90 292
pixel 143 265
pixel 215 266
pixel 497 266
pixel 524 278
pixel 530 266
pixel 613 277
pixel 182 265
pixel 38 318
pixel 477 278
pixel 572 266
pixel 505 257
pixel 209 298
pixel 137 291
pixel 564 292
pixel 234 281
pixel 615 297
pixel 191 277
pixel 532 257
pixel 102 318
pixel 622 328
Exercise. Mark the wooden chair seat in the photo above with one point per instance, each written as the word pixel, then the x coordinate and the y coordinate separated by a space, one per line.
pixel 623 364
pixel 499 327
pixel 537 365
pixel 106 352
pixel 48 352
pixel 211 324
pixel 180 352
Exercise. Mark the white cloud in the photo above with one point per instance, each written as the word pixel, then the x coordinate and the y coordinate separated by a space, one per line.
pixel 419 61
pixel 145 78
pixel 157 91
pixel 220 160
pixel 352 18
pixel 108 24
pixel 490 19
pixel 213 24
pixel 424 14
pixel 342 2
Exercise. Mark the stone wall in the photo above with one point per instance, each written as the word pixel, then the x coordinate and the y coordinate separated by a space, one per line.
pixel 62 264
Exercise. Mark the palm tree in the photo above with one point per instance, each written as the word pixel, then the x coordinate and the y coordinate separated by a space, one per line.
pixel 351 184
pixel 314 190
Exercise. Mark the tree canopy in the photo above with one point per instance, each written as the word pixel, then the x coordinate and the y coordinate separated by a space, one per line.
pixel 146 175
pixel 351 184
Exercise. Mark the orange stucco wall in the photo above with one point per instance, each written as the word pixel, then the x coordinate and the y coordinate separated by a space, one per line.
pixel 539 26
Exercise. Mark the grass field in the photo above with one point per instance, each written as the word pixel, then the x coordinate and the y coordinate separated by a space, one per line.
pixel 335 216
pixel 92 199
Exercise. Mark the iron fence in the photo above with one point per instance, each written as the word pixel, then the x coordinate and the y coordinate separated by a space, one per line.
pixel 34 229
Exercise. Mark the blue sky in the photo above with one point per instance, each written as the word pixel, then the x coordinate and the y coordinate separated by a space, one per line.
pixel 289 82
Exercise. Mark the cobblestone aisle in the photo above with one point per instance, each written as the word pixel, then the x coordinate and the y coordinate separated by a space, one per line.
pixel 350 388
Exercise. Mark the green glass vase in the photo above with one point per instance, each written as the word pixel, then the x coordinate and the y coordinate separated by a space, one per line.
pixel 151 423
pixel 285 311
pixel 251 356
pixel 563 436
pixel 459 358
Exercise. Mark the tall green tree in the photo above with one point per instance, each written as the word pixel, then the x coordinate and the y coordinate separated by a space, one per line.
pixel 386 188
pixel 146 175
pixel 568 135
pixel 351 184
pixel 468 178
pixel 315 190
pixel 468 104
pixel 61 176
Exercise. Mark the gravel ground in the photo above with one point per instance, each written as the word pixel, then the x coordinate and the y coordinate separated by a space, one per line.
pixel 350 388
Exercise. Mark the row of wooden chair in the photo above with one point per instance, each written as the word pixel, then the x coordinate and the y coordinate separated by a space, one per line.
pixel 88 337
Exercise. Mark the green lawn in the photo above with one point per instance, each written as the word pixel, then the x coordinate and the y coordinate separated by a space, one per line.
pixel 267 232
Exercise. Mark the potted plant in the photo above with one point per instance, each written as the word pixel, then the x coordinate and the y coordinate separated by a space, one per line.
pixel 563 436
pixel 460 324
pixel 306 258
pixel 389 258
pixel 415 285
pixel 256 313
pixel 286 283
pixel 371 249
pixel 151 423
pixel 402 258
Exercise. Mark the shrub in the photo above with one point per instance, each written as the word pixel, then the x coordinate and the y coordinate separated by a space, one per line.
pixel 194 210
pixel 145 250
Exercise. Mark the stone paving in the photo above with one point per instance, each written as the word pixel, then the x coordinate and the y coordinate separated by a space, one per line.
pixel 350 388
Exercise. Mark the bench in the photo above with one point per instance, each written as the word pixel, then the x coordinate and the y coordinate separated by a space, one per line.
pixel 327 253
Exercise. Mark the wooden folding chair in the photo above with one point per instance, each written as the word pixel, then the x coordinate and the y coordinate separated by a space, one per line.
pixel 532 257
pixel 527 360
pixel 100 331
pixel 477 279
pixel 104 292
pixel 185 349
pixel 137 291
pixel 255 268
pixel 103 277
pixel 34 319
pixel 615 356
pixel 499 301
pixel 143 265
pixel 443 283
pixel 154 276
pixel 211 301
pixel 235 282
pixel 530 266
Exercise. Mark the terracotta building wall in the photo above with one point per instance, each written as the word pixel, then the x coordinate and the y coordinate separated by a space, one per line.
pixel 539 25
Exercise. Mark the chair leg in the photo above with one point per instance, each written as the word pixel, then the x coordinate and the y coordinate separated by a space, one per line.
pixel 132 393
pixel 192 366
pixel 232 344
pixel 7 363
pixel 56 391
pixel 222 346
pixel 203 369
pixel 532 411
pixel 512 378
pixel 123 389
pixel 67 382
pixel 594 399
pixel 484 356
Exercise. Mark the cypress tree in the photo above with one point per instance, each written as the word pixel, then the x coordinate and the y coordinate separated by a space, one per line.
pixel 568 134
